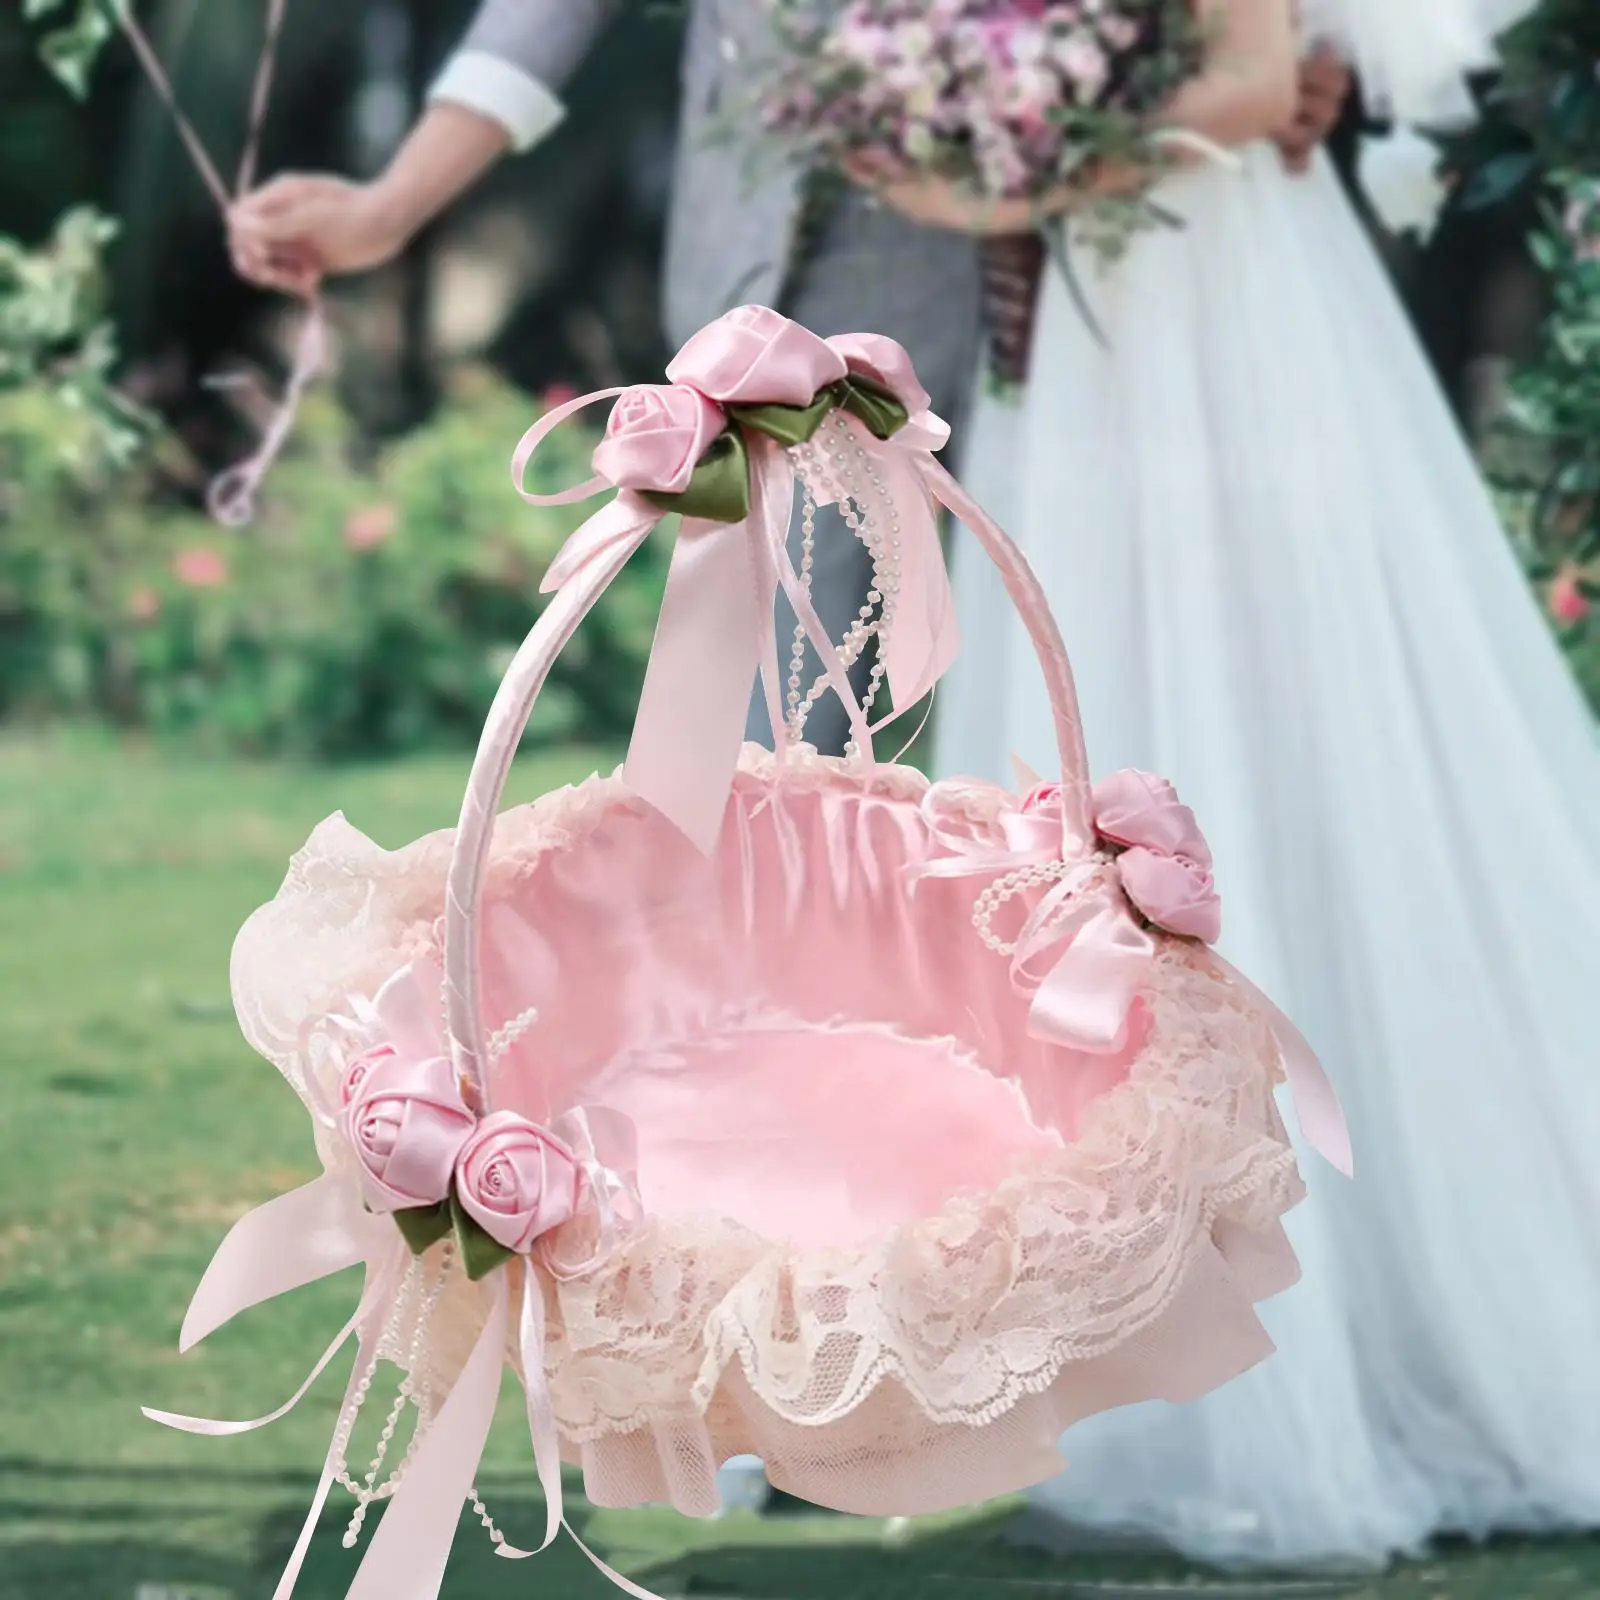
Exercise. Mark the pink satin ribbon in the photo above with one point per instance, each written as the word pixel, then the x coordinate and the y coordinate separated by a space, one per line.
pixel 716 635
pixel 322 1229
pixel 232 497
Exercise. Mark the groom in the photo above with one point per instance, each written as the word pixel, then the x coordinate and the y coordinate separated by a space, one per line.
pixel 855 264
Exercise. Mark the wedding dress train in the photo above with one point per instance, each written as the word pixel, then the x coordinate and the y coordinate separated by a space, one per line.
pixel 1285 587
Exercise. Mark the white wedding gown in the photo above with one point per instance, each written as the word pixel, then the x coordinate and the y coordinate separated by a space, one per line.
pixel 1284 586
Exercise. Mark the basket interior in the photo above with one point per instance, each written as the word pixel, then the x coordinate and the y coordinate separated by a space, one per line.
pixel 810 1041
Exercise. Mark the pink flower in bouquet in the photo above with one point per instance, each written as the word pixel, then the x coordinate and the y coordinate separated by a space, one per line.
pixel 1083 61
pixel 755 356
pixel 1119 32
pixel 1568 603
pixel 370 527
pixel 406 1122
pixel 1031 94
pixel 516 1180
pixel 200 567
pixel 1141 811
pixel 1173 892
pixel 656 436
pixel 862 39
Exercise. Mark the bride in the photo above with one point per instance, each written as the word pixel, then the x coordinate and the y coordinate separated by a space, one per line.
pixel 1285 587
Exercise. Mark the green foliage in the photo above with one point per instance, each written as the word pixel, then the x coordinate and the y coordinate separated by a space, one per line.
pixel 55 339
pixel 366 612
pixel 77 31
pixel 1541 131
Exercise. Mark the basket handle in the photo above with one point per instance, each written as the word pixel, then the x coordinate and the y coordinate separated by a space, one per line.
pixel 1028 596
pixel 529 669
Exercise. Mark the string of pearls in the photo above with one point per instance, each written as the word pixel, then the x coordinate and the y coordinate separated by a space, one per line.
pixel 845 471
pixel 502 1039
pixel 413 1392
pixel 1036 876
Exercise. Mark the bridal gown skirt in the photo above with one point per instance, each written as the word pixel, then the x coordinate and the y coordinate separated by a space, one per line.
pixel 1284 587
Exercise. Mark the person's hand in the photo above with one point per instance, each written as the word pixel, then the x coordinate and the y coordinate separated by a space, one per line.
pixel 297 230
pixel 1325 84
pixel 936 202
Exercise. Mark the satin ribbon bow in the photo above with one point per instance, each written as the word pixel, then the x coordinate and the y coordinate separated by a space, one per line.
pixel 713 444
pixel 1085 950
pixel 323 1228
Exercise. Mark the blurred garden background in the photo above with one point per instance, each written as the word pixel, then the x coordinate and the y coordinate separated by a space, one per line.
pixel 180 704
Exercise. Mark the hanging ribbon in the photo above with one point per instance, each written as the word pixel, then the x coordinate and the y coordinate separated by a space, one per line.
pixel 735 490
pixel 322 1228
pixel 232 496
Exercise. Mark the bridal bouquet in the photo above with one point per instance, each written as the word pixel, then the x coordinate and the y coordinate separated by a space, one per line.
pixel 1012 98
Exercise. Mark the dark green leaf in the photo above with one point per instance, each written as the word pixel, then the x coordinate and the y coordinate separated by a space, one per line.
pixel 480 1255
pixel 424 1227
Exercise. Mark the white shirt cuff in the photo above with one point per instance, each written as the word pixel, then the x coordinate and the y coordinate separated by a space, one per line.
pixel 495 89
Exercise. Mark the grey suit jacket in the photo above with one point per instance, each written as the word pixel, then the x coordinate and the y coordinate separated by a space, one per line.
pixel 731 229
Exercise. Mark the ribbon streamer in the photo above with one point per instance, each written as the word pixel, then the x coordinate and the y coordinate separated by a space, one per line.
pixel 716 635
pixel 232 497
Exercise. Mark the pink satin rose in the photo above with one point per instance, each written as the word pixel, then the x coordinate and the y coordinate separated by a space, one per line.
pixel 1043 799
pixel 656 437
pixel 754 356
pixel 1173 892
pixel 516 1180
pixel 1139 809
pixel 360 1069
pixel 406 1122
pixel 885 362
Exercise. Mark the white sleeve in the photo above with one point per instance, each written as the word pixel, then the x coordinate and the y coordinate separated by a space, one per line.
pixel 501 91
pixel 1413 56
pixel 515 58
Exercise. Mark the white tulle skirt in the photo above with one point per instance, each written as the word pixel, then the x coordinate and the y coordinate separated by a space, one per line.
pixel 1285 587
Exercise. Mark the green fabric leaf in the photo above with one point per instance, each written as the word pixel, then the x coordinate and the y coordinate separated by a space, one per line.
pixel 789 425
pixel 423 1227
pixel 882 413
pixel 480 1255
pixel 720 488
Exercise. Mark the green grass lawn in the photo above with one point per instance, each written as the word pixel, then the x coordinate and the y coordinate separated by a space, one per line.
pixel 136 1126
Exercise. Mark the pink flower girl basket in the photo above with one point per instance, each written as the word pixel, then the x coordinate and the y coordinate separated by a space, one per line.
pixel 767 1103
